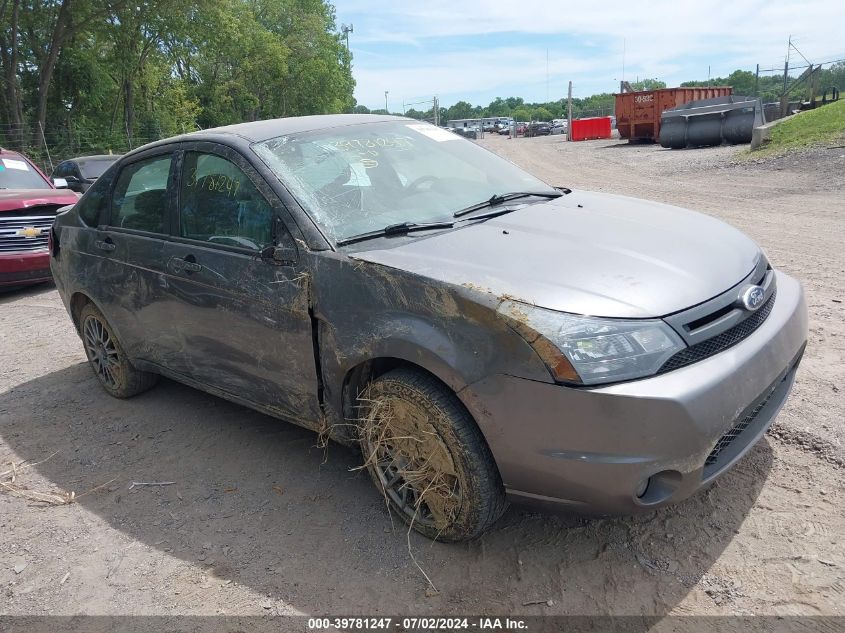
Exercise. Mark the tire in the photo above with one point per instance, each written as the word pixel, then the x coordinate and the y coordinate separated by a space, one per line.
pixel 107 358
pixel 428 458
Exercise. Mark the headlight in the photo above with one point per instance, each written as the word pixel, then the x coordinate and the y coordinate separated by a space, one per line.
pixel 590 351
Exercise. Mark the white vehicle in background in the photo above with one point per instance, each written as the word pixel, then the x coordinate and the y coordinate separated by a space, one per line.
pixel 559 126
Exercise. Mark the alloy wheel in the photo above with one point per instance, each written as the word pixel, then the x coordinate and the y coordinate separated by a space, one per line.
pixel 412 464
pixel 102 351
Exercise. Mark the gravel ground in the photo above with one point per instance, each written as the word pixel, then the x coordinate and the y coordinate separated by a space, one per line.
pixel 260 520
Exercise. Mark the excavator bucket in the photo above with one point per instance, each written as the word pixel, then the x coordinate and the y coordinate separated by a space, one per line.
pixel 728 119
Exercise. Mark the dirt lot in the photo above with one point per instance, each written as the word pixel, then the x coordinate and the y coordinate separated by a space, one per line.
pixel 262 521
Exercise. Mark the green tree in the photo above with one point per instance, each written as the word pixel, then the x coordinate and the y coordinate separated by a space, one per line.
pixel 541 114
pixel 93 72
pixel 498 107
pixel 514 102
pixel 648 84
pixel 461 110
pixel 521 114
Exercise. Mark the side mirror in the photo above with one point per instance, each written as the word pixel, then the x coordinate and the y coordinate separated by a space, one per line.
pixel 281 255
pixel 60 183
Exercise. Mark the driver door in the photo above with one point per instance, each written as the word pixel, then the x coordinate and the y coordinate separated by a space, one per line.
pixel 242 321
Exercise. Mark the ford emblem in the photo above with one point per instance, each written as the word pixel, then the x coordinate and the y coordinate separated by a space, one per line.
pixel 752 297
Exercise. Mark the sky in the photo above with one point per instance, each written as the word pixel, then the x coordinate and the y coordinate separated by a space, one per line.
pixel 477 50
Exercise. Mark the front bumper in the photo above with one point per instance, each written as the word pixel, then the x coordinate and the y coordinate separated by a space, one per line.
pixel 592 449
pixel 19 269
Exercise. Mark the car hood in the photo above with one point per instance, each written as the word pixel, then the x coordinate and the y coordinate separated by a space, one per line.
pixel 15 199
pixel 586 253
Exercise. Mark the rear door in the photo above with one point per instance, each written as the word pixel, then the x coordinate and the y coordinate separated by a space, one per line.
pixel 132 286
pixel 242 320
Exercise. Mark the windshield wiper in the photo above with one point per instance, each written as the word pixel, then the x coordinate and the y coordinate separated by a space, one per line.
pixel 500 198
pixel 404 228
pixel 395 229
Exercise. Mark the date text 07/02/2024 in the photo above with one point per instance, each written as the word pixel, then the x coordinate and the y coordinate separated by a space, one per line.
pixel 430 623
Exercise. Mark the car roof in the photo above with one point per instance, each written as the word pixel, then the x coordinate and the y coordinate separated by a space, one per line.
pixel 81 160
pixel 3 150
pixel 256 131
pixel 96 157
pixel 271 128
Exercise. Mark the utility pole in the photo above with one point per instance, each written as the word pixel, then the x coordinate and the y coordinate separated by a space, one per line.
pixel 346 30
pixel 386 111
pixel 622 81
pixel 757 82
pixel 784 98
pixel 569 109
pixel 436 112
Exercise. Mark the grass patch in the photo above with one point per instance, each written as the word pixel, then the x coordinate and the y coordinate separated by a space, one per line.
pixel 823 126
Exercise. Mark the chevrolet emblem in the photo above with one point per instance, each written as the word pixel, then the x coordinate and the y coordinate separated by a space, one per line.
pixel 29 231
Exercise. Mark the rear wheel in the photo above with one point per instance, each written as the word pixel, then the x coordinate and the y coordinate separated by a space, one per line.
pixel 107 358
pixel 427 456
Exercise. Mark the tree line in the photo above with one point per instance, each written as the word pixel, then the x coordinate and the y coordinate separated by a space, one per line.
pixel 84 76
pixel 767 87
pixel 96 71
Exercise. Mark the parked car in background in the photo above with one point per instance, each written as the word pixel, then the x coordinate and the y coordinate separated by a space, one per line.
pixel 28 204
pixel 365 295
pixel 539 128
pixel 559 126
pixel 521 129
pixel 80 173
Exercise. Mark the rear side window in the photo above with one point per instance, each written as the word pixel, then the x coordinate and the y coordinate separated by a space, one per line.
pixel 95 168
pixel 62 170
pixel 90 208
pixel 140 196
pixel 221 205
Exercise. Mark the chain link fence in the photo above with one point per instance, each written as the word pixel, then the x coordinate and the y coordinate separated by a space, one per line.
pixel 47 148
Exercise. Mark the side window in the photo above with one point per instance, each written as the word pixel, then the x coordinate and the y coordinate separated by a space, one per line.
pixel 220 205
pixel 140 195
pixel 90 207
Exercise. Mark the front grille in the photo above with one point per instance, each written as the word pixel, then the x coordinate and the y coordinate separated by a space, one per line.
pixel 12 233
pixel 749 423
pixel 720 342
pixel 736 430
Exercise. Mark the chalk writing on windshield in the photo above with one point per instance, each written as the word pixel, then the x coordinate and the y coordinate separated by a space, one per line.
pixel 367 149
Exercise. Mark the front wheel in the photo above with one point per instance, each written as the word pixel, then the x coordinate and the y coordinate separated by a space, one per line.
pixel 107 358
pixel 427 456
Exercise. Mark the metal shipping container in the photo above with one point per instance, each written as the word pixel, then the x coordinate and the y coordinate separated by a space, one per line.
pixel 638 113
pixel 589 129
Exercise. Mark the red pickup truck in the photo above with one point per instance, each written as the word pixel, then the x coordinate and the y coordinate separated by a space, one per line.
pixel 28 204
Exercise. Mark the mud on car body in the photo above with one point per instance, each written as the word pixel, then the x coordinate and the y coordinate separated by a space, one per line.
pixel 480 335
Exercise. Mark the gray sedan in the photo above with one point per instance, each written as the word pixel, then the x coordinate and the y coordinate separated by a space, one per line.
pixel 480 335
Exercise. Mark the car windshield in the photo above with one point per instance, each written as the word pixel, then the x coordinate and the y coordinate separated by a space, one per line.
pixel 96 168
pixel 16 173
pixel 360 178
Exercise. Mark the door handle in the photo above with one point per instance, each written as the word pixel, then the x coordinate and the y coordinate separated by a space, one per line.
pixel 187 264
pixel 105 245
